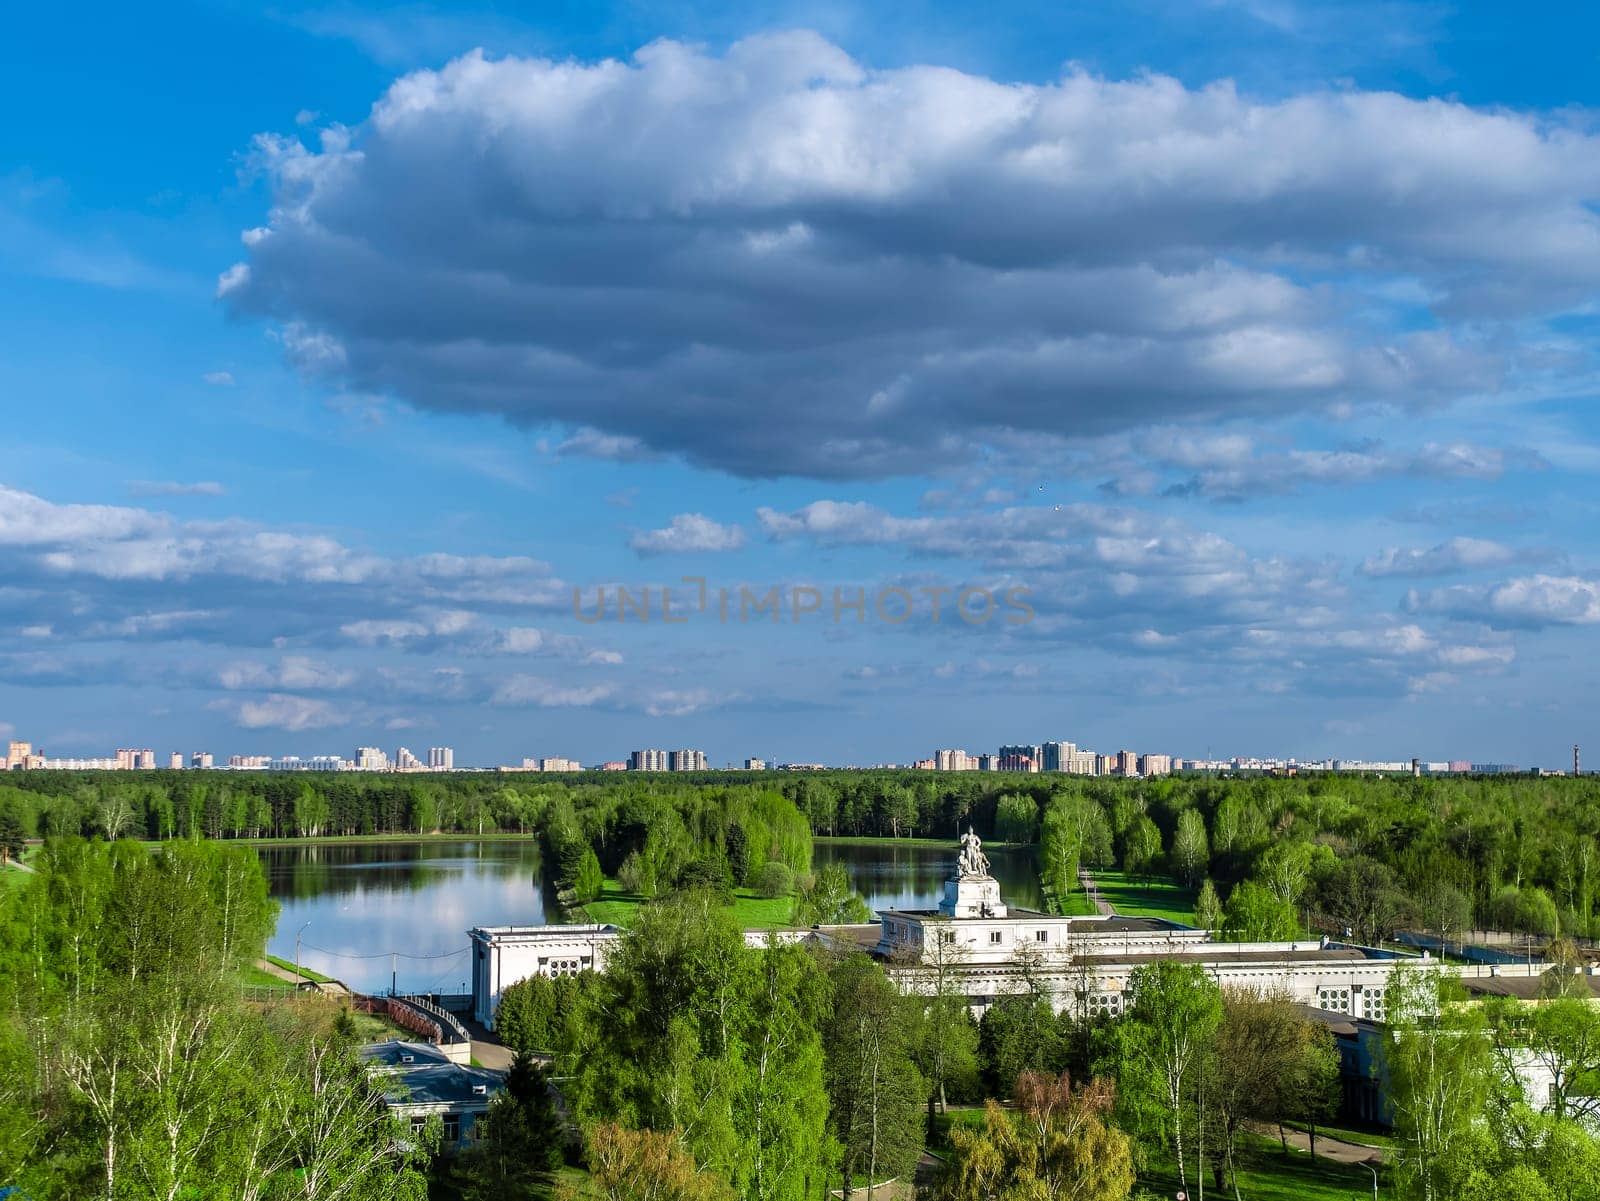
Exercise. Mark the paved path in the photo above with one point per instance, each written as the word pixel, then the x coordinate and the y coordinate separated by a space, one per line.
pixel 1101 905
pixel 1335 1149
pixel 486 1048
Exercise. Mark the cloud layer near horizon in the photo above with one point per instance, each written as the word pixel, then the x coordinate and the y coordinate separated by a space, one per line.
pixel 777 260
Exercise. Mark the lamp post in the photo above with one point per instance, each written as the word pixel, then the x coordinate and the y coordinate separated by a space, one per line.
pixel 297 935
pixel 1371 1167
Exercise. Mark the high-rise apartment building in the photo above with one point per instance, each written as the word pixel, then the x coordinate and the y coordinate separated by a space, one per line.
pixel 1105 765
pixel 17 754
pixel 1127 763
pixel 1056 756
pixel 686 760
pixel 558 764
pixel 370 758
pixel 614 765
pixel 404 760
pixel 755 765
pixel 249 761
pixel 175 761
pixel 651 760
pixel 200 759
pixel 441 758
pixel 1084 763
pixel 954 760
pixel 1155 765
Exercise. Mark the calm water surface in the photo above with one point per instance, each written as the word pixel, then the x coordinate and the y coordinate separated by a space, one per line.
pixel 416 900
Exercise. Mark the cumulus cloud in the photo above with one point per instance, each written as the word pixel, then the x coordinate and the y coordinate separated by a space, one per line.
pixel 1528 601
pixel 1458 554
pixel 284 712
pixel 688 532
pixel 294 672
pixel 533 691
pixel 1231 475
pixel 173 488
pixel 780 260
pixel 219 379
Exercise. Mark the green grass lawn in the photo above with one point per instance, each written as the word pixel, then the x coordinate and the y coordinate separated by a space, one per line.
pixel 617 906
pixel 302 971
pixel 867 840
pixel 322 839
pixel 1149 898
pixel 254 977
pixel 1268 1176
pixel 1078 904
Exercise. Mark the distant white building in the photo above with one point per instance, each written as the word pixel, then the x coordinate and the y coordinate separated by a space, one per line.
pixel 441 758
pixel 1086 963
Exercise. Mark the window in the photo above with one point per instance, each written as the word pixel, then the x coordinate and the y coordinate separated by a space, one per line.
pixel 452 1127
pixel 947 936
pixel 1041 935
pixel 1335 999
pixel 994 936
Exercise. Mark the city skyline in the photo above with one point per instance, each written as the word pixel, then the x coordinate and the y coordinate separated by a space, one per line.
pixel 1013 758
pixel 1222 379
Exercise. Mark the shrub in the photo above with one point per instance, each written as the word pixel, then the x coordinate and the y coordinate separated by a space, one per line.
pixel 774 879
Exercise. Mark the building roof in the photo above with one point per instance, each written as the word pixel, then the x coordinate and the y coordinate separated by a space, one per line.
pixel 1342 1024
pixel 430 1080
pixel 1522 988
pixel 397 1052
pixel 1111 924
pixel 1214 953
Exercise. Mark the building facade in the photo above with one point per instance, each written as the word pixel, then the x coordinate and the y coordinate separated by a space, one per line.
pixel 1086 964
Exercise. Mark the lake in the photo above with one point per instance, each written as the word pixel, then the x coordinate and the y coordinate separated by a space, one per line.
pixel 373 912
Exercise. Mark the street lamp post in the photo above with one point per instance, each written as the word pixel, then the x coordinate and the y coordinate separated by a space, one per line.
pixel 297 935
pixel 1371 1167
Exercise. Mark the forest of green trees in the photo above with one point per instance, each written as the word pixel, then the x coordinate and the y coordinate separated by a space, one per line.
pixel 130 1066
pixel 1264 854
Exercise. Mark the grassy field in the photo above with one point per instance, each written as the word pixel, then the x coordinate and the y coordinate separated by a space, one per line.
pixel 11 874
pixel 941 843
pixel 498 836
pixel 1268 1176
pixel 254 977
pixel 302 971
pixel 617 906
pixel 1150 898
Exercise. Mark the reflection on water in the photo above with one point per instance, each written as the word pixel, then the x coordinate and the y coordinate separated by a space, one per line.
pixel 417 900
pixel 896 876
pixel 365 901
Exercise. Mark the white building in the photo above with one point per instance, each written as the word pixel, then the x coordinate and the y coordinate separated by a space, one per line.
pixel 370 758
pixel 441 758
pixel 1086 963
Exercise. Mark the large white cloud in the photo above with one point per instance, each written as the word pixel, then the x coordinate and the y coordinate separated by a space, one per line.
pixel 778 260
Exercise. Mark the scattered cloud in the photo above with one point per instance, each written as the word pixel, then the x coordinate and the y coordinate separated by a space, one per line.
pixel 284 712
pixel 1458 554
pixel 532 691
pixel 686 533
pixel 220 379
pixel 153 488
pixel 1528 601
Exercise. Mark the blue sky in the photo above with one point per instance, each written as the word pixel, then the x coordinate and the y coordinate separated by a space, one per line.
pixel 1254 341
